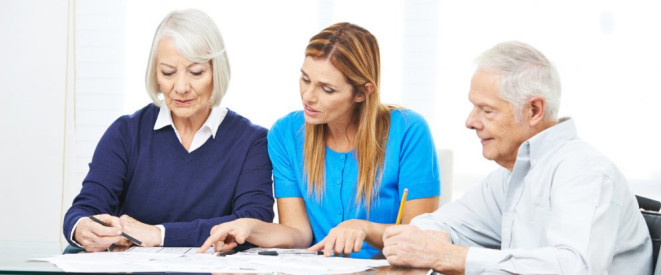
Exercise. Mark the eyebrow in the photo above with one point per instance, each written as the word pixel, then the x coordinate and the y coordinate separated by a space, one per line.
pixel 164 64
pixel 321 83
pixel 187 67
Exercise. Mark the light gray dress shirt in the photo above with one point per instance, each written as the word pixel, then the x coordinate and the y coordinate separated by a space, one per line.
pixel 563 209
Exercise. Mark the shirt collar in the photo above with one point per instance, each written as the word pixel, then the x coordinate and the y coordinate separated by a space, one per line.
pixel 546 141
pixel 216 117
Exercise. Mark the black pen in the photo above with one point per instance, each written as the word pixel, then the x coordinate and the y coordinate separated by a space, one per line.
pixel 134 240
pixel 290 252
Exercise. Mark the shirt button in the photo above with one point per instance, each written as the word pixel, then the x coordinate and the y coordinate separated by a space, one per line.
pixel 339 182
pixel 342 157
pixel 339 212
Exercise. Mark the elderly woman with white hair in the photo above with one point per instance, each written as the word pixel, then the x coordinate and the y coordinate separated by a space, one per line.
pixel 169 172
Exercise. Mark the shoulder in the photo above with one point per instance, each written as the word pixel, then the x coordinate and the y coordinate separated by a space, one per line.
pixel 407 118
pixel 577 157
pixel 294 119
pixel 290 124
pixel 142 118
pixel 242 125
pixel 408 123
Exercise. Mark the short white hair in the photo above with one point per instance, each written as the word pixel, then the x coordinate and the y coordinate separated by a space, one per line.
pixel 524 72
pixel 196 37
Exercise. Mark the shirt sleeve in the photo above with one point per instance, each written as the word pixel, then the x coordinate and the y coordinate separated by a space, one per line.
pixel 104 182
pixel 472 220
pixel 581 233
pixel 418 163
pixel 281 147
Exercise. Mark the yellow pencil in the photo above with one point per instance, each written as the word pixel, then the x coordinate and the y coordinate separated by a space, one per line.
pixel 401 206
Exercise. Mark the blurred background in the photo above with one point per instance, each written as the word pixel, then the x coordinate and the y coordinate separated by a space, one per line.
pixel 69 68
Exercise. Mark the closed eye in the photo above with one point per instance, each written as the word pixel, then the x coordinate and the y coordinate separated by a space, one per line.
pixel 328 90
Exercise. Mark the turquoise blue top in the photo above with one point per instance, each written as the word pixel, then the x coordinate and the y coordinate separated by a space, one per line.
pixel 410 162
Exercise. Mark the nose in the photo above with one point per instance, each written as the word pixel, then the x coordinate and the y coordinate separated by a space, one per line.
pixel 472 122
pixel 181 84
pixel 307 94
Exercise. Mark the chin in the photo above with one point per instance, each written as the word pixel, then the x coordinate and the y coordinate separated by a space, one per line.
pixel 310 120
pixel 488 156
pixel 181 114
pixel 313 122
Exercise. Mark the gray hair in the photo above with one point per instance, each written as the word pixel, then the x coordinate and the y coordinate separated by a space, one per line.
pixel 197 38
pixel 523 72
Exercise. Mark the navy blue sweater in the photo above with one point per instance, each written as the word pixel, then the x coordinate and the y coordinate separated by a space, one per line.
pixel 148 175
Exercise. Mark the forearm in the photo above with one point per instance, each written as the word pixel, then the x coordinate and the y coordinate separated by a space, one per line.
pixel 374 233
pixel 266 234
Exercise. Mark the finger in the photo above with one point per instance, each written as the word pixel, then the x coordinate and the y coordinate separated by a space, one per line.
pixel 318 246
pixel 348 245
pixel 96 244
pixel 127 222
pixel 224 242
pixel 358 245
pixel 237 237
pixel 227 246
pixel 393 260
pixel 94 249
pixel 393 231
pixel 224 245
pixel 328 245
pixel 208 243
pixel 322 246
pixel 112 221
pixel 101 230
pixel 337 246
pixel 123 242
pixel 215 236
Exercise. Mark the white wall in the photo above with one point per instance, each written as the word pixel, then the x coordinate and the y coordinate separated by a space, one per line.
pixel 33 81
pixel 606 51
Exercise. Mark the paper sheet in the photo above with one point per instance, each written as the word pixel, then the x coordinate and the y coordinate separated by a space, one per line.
pixel 141 259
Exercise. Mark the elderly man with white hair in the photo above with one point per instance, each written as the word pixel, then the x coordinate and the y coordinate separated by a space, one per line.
pixel 555 206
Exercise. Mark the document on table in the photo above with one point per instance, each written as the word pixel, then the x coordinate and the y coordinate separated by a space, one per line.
pixel 158 259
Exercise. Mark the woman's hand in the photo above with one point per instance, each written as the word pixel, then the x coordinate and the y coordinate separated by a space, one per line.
pixel 149 235
pixel 96 237
pixel 226 236
pixel 346 238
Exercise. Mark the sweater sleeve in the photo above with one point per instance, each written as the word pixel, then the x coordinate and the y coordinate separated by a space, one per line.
pixel 105 180
pixel 253 198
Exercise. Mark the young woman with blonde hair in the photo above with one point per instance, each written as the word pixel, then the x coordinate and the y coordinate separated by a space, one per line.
pixel 341 164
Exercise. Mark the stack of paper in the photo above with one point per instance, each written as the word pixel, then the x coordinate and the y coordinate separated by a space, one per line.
pixel 141 259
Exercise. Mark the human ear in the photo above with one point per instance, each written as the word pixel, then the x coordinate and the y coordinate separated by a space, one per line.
pixel 367 89
pixel 536 110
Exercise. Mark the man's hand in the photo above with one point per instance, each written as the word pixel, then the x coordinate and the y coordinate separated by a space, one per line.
pixel 407 245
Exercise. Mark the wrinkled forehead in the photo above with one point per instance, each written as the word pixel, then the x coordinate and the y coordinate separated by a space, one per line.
pixel 485 86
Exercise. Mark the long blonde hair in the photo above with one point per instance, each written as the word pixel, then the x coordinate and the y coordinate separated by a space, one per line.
pixel 354 52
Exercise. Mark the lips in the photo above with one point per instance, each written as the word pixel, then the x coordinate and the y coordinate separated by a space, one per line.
pixel 485 140
pixel 309 110
pixel 183 101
